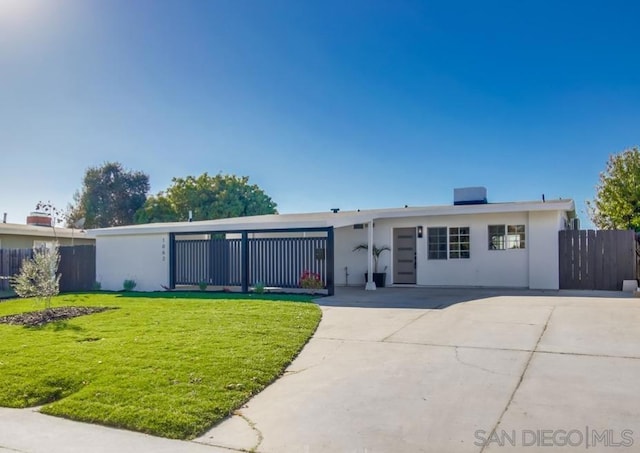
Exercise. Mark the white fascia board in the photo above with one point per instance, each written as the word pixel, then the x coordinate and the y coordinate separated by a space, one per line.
pixel 434 211
pixel 32 230
pixel 193 227
pixel 497 208
pixel 324 220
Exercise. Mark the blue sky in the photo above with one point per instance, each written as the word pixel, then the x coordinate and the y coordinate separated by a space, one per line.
pixel 323 104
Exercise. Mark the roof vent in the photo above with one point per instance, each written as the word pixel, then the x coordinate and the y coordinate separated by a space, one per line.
pixel 469 195
pixel 39 219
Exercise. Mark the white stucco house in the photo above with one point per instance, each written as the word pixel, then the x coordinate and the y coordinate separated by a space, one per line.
pixel 470 243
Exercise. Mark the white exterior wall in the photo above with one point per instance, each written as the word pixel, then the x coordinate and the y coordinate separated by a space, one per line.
pixel 535 266
pixel 544 249
pixel 143 258
pixel 345 239
pixel 506 268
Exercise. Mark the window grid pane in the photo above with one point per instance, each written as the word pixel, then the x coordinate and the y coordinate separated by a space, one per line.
pixel 497 237
pixel 459 239
pixel 437 243
pixel 515 237
pixel 503 237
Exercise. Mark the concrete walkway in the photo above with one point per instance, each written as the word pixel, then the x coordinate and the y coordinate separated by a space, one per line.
pixel 541 369
pixel 380 379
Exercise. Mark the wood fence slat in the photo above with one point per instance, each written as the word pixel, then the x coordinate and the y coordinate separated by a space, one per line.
pixel 598 269
pixel 581 253
pixel 562 255
pixel 625 247
pixel 592 259
pixel 608 259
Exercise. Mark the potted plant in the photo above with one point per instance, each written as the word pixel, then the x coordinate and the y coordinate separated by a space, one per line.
pixel 379 278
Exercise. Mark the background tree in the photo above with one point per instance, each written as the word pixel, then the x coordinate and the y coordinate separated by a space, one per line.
pixel 617 200
pixel 110 196
pixel 209 197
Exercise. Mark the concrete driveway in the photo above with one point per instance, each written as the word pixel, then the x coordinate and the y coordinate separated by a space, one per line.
pixel 538 370
pixel 422 370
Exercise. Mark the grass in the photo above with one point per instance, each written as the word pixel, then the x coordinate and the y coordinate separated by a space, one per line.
pixel 168 364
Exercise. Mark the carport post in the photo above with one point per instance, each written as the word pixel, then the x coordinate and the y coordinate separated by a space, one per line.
pixel 245 262
pixel 371 285
pixel 331 286
pixel 172 260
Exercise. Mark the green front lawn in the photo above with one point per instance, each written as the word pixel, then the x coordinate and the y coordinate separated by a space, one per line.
pixel 169 364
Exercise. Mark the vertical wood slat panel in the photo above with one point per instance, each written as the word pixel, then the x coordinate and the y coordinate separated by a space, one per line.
pixel 625 249
pixel 77 266
pixel 571 256
pixel 583 258
pixel 562 256
pixel 592 258
pixel 275 261
pixel 597 259
pixel 607 262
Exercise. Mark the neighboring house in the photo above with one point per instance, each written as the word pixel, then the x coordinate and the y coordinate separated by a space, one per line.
pixel 471 243
pixel 18 236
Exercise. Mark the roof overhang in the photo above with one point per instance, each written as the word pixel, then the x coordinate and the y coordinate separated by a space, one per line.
pixel 11 229
pixel 328 220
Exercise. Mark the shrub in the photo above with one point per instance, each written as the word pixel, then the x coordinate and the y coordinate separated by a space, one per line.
pixel 311 280
pixel 258 288
pixel 37 277
pixel 202 285
pixel 128 285
pixel 97 286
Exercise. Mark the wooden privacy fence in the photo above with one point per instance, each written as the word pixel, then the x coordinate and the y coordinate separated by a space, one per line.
pixel 10 262
pixel 599 260
pixel 77 266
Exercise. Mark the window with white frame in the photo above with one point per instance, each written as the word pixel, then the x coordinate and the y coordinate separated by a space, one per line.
pixel 515 236
pixel 459 245
pixel 503 237
pixel 437 243
pixel 496 237
pixel 45 245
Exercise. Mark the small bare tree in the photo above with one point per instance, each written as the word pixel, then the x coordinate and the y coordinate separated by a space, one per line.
pixel 37 277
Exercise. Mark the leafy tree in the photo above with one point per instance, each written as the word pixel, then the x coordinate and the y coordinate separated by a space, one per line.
pixel 208 197
pixel 617 201
pixel 37 277
pixel 110 196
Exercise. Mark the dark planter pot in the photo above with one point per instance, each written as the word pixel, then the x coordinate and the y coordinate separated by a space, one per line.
pixel 379 278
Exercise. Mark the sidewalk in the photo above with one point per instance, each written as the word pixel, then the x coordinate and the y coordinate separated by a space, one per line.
pixel 28 431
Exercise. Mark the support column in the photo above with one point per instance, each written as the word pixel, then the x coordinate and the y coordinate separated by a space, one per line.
pixel 371 285
pixel 330 257
pixel 172 261
pixel 245 262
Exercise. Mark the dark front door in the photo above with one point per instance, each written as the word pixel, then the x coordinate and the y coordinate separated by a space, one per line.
pixel 404 255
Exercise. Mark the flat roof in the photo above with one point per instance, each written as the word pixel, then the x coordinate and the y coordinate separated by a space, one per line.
pixel 329 219
pixel 18 229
